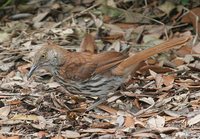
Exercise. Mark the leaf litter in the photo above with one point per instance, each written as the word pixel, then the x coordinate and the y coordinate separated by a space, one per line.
pixel 161 100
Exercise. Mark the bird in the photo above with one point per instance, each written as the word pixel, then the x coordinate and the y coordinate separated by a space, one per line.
pixel 93 74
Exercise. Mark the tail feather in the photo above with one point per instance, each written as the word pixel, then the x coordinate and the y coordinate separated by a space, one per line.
pixel 130 64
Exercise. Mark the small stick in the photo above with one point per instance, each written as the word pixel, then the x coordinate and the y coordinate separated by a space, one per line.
pixel 78 14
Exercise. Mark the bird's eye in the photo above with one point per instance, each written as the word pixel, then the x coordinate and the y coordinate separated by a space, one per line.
pixel 43 56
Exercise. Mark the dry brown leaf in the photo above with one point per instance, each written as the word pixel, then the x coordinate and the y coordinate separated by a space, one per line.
pixel 178 61
pixel 41 123
pixel 166 129
pixel 148 100
pixel 2 137
pixel 196 48
pixel 71 134
pixel 132 94
pixel 10 122
pixel 24 68
pixel 158 78
pixel 146 135
pixel 166 88
pixel 168 80
pixel 192 17
pixel 129 121
pixel 155 68
pixel 14 102
pixel 159 81
pixel 108 109
pixel 4 111
pixel 42 134
pixel 112 38
pixel 171 119
pixel 151 61
pixel 98 130
pixel 103 125
pixel 181 52
pixel 11 74
pixel 13 137
pixel 58 137
pixel 25 117
pixel 126 25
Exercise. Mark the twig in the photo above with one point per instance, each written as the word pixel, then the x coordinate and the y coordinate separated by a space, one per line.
pixel 59 131
pixel 158 23
pixel 78 14
pixel 146 3
pixel 5 4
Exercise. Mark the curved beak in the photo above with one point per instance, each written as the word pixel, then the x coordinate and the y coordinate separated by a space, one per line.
pixel 33 68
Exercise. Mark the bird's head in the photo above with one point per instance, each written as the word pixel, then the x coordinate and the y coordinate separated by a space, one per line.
pixel 46 57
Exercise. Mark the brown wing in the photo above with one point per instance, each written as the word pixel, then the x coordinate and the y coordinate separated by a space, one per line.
pixel 77 66
pixel 81 66
pixel 107 60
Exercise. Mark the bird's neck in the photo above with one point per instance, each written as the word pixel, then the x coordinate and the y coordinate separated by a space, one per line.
pixel 62 55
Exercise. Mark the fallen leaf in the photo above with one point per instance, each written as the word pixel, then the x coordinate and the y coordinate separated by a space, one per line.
pixel 13 137
pixel 104 125
pixel 115 46
pixel 58 137
pixel 168 80
pixel 4 111
pixel 4 37
pixel 42 134
pixel 167 7
pixel 25 117
pixel 40 16
pixel 53 85
pixel 71 134
pixel 129 121
pixel 184 50
pixel 194 120
pixel 98 130
pixel 192 17
pixel 120 120
pixel 107 109
pixel 145 135
pixel 155 68
pixel 10 122
pixel 172 113
pixel 41 123
pixel 148 100
pixel 14 102
pixel 188 58
pixel 2 137
pixel 156 122
pixel 24 68
pixel 6 66
pixel 196 48
pixel 178 61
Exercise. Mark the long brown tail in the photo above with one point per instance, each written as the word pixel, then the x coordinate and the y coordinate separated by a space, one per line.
pixel 130 64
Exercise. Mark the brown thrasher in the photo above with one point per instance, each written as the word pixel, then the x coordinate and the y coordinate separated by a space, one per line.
pixel 88 74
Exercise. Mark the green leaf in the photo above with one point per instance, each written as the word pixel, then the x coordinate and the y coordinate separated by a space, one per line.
pixel 185 2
